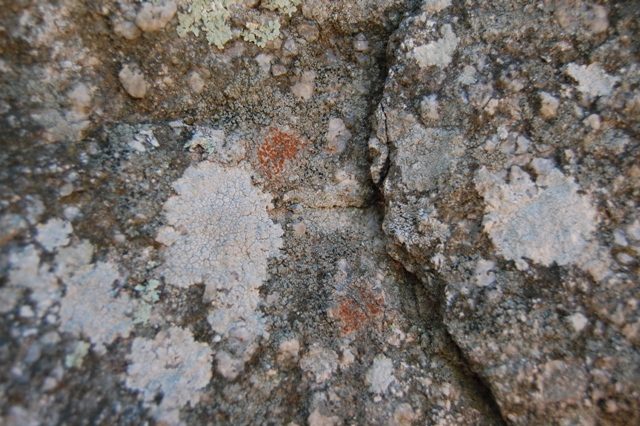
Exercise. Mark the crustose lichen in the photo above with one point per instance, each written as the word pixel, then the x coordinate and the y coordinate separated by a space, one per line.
pixel 212 17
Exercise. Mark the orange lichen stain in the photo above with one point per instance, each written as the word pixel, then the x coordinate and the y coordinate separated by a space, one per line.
pixel 355 314
pixel 278 148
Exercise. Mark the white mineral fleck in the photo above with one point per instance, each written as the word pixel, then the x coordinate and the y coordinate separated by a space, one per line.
pixel 137 145
pixel 619 238
pixel 303 90
pixel 196 83
pixel 76 358
pixel 468 76
pixel 347 358
pixel 523 144
pixel 578 321
pixel 625 258
pixel 278 70
pixel 264 61
pixel 633 230
pixel 155 15
pixel 228 366
pixel 133 82
pixel 26 311
pixel 35 208
pixel 549 105
pixel 593 121
pixel 126 29
pixel 299 229
pixel 360 44
pixel 337 136
pixel 316 418
pixel 207 138
pixel 80 97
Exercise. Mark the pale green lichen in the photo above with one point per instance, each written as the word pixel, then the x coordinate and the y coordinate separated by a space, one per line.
pixel 149 294
pixel 284 6
pixel 76 358
pixel 206 138
pixel 210 17
pixel 261 34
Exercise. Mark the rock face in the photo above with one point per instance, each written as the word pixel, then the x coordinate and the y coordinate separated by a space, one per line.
pixel 309 212
pixel 506 150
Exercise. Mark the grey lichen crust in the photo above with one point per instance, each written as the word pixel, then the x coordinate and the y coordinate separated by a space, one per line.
pixel 218 231
pixel 89 310
pixel 514 214
pixel 172 364
pixel 219 234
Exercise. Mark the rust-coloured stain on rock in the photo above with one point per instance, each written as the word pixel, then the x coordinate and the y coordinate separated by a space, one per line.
pixel 278 148
pixel 355 314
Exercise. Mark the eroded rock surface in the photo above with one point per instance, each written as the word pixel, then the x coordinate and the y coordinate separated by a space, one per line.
pixel 308 212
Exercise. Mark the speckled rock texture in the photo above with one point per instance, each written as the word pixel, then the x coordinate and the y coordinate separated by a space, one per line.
pixel 508 162
pixel 311 212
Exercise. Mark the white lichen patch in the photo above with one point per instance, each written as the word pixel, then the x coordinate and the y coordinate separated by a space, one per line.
pixel 218 231
pixel 70 260
pixel 547 221
pixel 90 310
pixel 380 374
pixel 592 80
pixel 219 234
pixel 173 365
pixel 439 52
pixel 54 234
pixel 26 273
